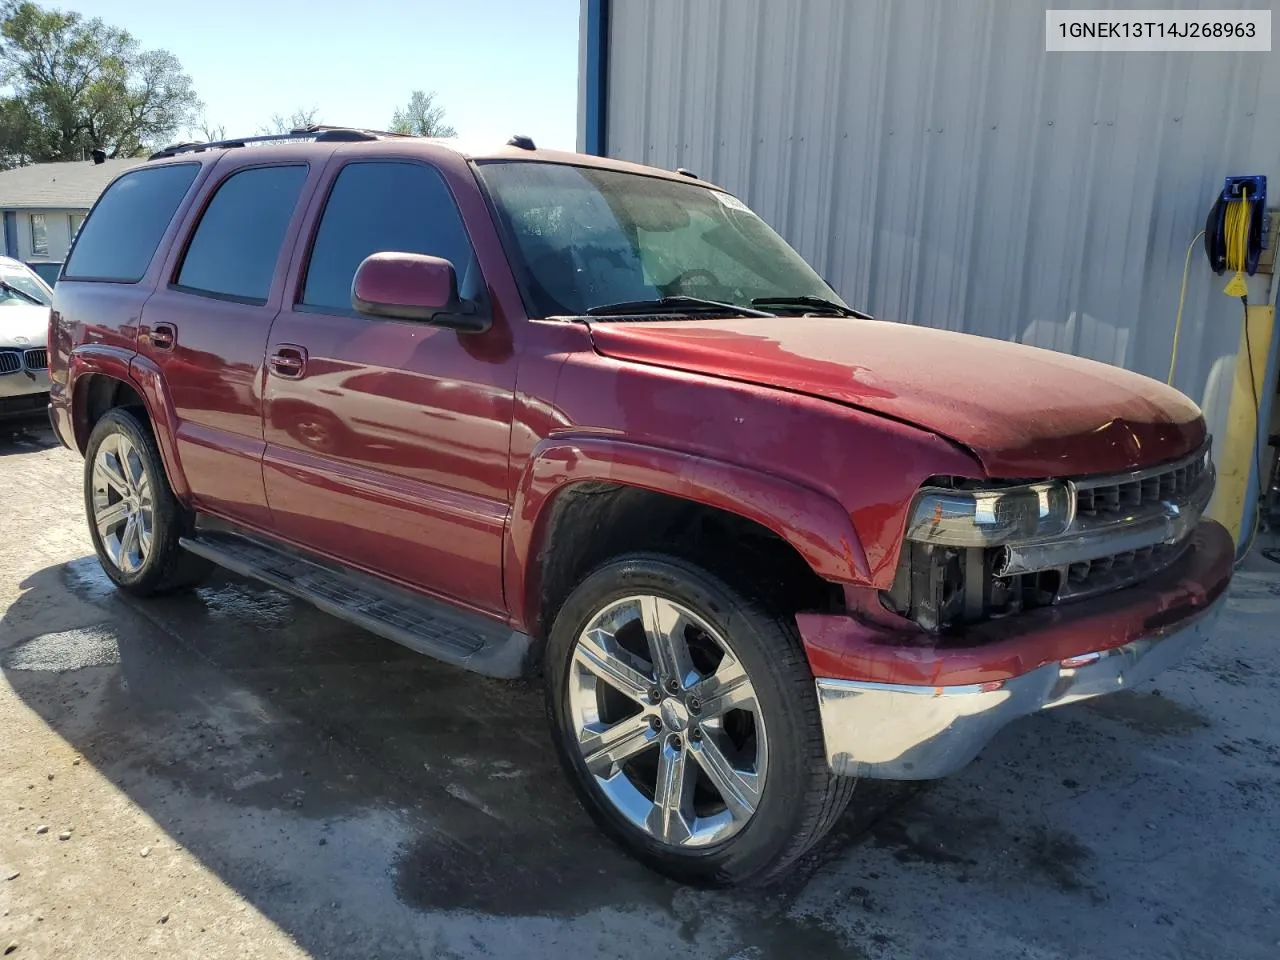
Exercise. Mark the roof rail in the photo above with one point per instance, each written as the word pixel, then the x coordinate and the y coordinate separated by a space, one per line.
pixel 321 128
pixel 314 132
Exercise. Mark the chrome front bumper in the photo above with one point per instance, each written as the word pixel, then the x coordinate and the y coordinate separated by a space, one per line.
pixel 900 732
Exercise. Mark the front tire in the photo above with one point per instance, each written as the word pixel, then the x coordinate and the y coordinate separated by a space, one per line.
pixel 686 717
pixel 134 519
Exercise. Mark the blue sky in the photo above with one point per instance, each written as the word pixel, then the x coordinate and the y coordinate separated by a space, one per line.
pixel 498 66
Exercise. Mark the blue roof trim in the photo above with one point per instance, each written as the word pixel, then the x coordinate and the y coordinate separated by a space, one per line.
pixel 597 75
pixel 11 234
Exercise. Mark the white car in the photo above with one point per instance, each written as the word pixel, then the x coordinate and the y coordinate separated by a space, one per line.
pixel 24 341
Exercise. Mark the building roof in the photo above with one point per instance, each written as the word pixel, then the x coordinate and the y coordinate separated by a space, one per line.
pixel 59 186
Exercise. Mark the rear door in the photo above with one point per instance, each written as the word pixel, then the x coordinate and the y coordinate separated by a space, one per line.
pixel 387 440
pixel 206 329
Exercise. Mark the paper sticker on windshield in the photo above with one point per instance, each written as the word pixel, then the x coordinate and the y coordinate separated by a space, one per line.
pixel 733 203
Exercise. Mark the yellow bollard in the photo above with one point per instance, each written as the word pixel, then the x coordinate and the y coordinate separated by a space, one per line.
pixel 1235 453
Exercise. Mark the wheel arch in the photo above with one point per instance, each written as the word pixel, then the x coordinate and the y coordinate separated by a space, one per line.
pixel 100 380
pixel 620 496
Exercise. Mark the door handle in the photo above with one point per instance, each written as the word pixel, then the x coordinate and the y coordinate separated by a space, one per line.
pixel 163 336
pixel 288 362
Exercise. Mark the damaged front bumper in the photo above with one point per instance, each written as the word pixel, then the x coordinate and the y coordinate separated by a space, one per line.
pixel 878 728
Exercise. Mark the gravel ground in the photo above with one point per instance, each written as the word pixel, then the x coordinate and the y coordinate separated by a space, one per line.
pixel 231 773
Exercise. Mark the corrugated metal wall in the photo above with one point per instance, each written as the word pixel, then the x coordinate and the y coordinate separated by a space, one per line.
pixel 938 166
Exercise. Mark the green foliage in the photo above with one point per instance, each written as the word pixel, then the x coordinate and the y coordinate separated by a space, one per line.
pixel 422 117
pixel 77 84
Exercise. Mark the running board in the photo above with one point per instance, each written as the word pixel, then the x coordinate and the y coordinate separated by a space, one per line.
pixel 463 639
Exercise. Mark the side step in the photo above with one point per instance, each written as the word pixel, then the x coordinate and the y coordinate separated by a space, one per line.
pixel 463 639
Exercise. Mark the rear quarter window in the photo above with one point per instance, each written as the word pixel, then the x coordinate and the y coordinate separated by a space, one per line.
pixel 122 233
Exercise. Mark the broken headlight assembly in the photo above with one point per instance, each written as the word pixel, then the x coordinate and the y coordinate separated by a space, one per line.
pixel 973 551
pixel 991 517
pixel 954 540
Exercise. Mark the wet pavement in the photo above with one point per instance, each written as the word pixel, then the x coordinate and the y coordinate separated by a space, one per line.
pixel 303 788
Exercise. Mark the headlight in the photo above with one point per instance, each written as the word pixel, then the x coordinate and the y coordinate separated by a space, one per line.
pixel 989 518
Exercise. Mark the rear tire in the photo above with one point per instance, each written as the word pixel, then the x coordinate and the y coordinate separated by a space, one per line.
pixel 134 519
pixel 743 723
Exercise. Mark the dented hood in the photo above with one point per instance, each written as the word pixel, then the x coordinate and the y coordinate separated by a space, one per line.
pixel 1023 411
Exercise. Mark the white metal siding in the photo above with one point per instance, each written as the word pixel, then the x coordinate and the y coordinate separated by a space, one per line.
pixel 57 230
pixel 937 166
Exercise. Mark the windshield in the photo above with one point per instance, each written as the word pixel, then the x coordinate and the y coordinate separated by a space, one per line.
pixel 20 287
pixel 586 237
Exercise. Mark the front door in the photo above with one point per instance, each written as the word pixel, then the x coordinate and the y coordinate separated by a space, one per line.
pixel 207 331
pixel 387 440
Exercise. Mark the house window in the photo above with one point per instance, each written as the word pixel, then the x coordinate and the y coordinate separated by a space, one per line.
pixel 39 236
pixel 76 220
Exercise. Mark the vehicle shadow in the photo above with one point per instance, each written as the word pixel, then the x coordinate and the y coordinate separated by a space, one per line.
pixel 26 436
pixel 370 801
pixel 310 765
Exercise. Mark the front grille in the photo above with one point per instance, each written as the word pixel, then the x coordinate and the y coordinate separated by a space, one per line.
pixel 1109 496
pixel 10 361
pixel 37 359
pixel 1111 506
pixel 1092 577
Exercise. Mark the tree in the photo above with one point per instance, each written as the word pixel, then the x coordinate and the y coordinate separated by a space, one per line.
pixel 77 84
pixel 211 132
pixel 302 117
pixel 422 117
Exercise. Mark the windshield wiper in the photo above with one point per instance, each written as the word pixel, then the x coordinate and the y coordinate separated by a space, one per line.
pixel 817 303
pixel 672 305
pixel 22 293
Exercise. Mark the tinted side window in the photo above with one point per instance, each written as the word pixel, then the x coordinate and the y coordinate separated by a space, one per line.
pixel 237 243
pixel 383 206
pixel 120 237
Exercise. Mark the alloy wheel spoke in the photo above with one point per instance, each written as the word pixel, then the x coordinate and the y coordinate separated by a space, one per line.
pixel 740 791
pixel 671 793
pixel 664 627
pixel 129 542
pixel 108 467
pixel 597 651
pixel 109 517
pixel 131 463
pixel 729 688
pixel 605 749
pixel 112 546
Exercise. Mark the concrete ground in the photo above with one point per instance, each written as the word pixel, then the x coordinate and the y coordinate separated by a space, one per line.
pixel 237 774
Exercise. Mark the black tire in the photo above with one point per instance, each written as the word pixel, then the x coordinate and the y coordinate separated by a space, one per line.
pixel 801 799
pixel 167 566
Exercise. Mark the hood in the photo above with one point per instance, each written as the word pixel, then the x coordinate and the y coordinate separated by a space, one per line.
pixel 24 325
pixel 1023 411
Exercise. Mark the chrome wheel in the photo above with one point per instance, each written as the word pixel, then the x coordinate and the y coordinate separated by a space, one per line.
pixel 667 721
pixel 123 509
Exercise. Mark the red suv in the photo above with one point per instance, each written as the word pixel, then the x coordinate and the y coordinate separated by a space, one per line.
pixel 528 411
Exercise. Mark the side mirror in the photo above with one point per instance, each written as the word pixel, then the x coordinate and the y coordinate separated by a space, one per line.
pixel 412 286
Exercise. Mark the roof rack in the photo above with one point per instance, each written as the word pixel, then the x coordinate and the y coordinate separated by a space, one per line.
pixel 315 133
